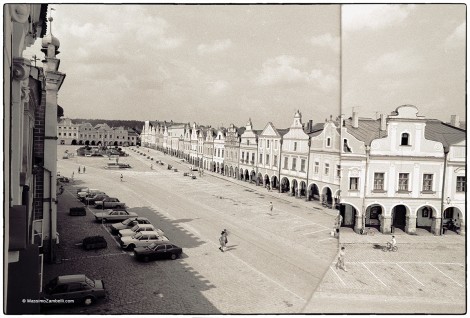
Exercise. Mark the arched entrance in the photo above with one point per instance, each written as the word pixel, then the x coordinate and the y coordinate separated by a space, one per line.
pixel 267 181
pixel 226 171
pixel 218 168
pixel 452 220
pixel 374 214
pixel 303 189
pixel 285 185
pixel 314 193
pixel 327 197
pixel 74 142
pixel 221 168
pixel 115 143
pixel 424 217
pixel 241 175
pixel 259 180
pixel 236 173
pixel 295 188
pixel 399 217
pixel 252 176
pixel 348 212
pixel 231 172
pixel 93 143
pixel 274 182
pixel 80 142
pixel 98 143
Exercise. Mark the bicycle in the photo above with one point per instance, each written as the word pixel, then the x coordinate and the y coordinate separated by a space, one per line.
pixel 390 248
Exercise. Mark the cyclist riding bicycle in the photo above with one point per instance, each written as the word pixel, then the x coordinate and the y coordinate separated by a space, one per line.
pixel 392 244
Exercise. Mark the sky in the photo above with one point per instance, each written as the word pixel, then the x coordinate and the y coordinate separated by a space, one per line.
pixel 217 65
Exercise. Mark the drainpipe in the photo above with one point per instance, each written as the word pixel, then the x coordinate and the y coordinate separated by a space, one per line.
pixel 446 152
pixel 51 251
pixel 365 189
pixel 308 164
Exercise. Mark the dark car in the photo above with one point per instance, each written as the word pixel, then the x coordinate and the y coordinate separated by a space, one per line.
pixel 78 288
pixel 155 251
pixel 93 199
pixel 94 242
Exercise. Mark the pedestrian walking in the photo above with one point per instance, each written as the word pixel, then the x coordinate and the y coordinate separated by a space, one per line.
pixel 340 261
pixel 121 177
pixel 151 167
pixel 73 173
pixel 270 207
pixel 222 239
pixel 338 220
pixel 225 233
pixel 84 169
pixel 79 171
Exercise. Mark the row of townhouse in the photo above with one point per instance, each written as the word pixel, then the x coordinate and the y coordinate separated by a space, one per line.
pixel 69 133
pixel 275 157
pixel 30 120
pixel 401 171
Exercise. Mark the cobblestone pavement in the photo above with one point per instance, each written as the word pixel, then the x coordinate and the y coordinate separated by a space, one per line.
pixel 255 275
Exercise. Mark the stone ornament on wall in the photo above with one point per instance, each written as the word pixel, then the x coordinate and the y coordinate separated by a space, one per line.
pixel 20 13
pixel 21 69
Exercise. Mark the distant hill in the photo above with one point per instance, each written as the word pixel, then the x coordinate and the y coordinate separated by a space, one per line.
pixel 132 124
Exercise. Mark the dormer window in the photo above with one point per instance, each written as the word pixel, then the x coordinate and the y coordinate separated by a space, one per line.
pixel 405 138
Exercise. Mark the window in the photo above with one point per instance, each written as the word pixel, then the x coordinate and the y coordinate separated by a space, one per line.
pixel 294 163
pixel 75 134
pixel 405 139
pixel 275 144
pixel 267 159
pixel 260 158
pixel 353 183
pixel 328 142
pixel 286 161
pixel 461 184
pixel 248 142
pixel 275 161
pixel 302 165
pixel 379 180
pixel 345 146
pixel 222 153
pixel 70 134
pixel 403 181
pixel 60 134
pixel 427 182
pixel 338 171
pixel 267 143
pixel 100 136
pixel 105 136
pixel 253 157
pixel 327 169
pixel 295 146
pixel 243 155
pixel 317 167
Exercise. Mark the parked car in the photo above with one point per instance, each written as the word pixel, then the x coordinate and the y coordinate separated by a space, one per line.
pixel 92 194
pixel 81 195
pixel 142 239
pixel 139 228
pixel 94 242
pixel 79 288
pixel 90 200
pixel 82 190
pixel 63 179
pixel 157 251
pixel 128 223
pixel 109 203
pixel 113 215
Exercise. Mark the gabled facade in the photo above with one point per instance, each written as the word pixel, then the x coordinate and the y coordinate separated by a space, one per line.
pixel 269 155
pixel 67 132
pixel 208 156
pixel 324 163
pixel 248 154
pixel 219 151
pixel 295 153
pixel 232 149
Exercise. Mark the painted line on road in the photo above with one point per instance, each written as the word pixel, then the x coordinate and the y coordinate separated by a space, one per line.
pixel 315 232
pixel 409 274
pixel 372 262
pixel 445 274
pixel 329 238
pixel 373 274
pixel 344 284
pixel 93 256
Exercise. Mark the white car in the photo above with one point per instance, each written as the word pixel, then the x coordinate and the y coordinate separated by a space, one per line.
pixel 82 194
pixel 114 215
pixel 142 239
pixel 139 228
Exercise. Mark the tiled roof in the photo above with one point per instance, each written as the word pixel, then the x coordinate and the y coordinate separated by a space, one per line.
pixel 316 129
pixel 444 133
pixel 241 130
pixel 368 130
pixel 282 131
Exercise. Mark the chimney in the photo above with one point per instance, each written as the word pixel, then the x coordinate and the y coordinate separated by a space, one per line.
pixel 455 121
pixel 383 123
pixel 355 120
